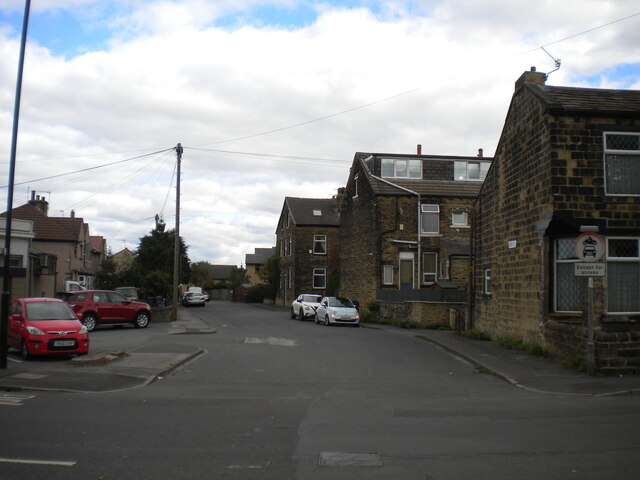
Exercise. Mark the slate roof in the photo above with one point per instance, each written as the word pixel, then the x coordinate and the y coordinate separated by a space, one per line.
pixel 260 256
pixel 587 101
pixel 302 211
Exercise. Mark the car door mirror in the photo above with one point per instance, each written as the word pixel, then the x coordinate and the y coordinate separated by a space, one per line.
pixel 16 317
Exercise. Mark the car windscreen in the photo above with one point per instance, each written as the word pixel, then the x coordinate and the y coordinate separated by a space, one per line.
pixel 340 302
pixel 49 311
pixel 311 298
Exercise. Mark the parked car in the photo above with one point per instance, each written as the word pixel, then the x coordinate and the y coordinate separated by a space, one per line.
pixel 305 306
pixel 99 307
pixel 45 326
pixel 192 298
pixel 337 311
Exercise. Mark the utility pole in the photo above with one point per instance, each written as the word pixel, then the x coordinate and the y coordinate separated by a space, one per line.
pixel 176 242
pixel 6 284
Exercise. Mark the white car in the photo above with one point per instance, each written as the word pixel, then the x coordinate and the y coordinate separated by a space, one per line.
pixel 305 306
pixel 337 311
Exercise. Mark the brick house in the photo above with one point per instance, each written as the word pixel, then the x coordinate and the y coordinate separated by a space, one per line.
pixel 405 232
pixel 253 262
pixel 61 248
pixel 308 244
pixel 568 161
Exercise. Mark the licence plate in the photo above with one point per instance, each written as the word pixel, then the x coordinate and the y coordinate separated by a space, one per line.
pixel 64 343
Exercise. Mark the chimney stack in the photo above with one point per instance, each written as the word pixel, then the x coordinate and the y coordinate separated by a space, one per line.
pixel 419 149
pixel 480 152
pixel 531 77
pixel 39 202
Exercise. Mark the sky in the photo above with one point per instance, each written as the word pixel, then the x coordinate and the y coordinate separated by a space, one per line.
pixel 269 99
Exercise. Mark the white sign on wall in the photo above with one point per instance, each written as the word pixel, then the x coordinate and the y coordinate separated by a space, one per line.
pixel 589 269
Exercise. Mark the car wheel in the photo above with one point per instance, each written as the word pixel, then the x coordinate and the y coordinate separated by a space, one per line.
pixel 141 320
pixel 90 321
pixel 326 320
pixel 315 318
pixel 24 351
pixel 301 315
pixel 293 314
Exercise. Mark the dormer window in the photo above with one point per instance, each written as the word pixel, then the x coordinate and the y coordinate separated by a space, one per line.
pixel 473 171
pixel 317 213
pixel 401 168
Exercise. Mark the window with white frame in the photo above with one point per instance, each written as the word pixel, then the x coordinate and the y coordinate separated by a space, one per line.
pixel 401 168
pixel 319 278
pixel 355 185
pixel 429 267
pixel 486 281
pixel 567 293
pixel 387 274
pixel 622 163
pixel 320 244
pixel 430 219
pixel 290 245
pixel 474 171
pixel 623 275
pixel 459 217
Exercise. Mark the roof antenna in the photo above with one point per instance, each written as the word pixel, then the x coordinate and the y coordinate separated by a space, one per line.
pixel 555 60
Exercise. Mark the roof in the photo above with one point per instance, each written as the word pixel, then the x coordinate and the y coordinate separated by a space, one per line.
pixel 220 272
pixel 423 187
pixel 260 256
pixel 97 243
pixel 313 211
pixel 573 100
pixel 47 228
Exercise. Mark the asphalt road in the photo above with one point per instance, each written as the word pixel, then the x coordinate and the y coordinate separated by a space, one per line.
pixel 275 398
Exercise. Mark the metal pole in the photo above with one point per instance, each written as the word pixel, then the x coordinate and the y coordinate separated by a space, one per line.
pixel 176 241
pixel 6 284
pixel 590 344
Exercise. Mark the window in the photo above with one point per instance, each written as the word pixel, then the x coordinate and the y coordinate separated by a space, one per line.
pixel 355 186
pixel 622 163
pixel 623 275
pixel 487 281
pixel 319 278
pixel 14 260
pixel 567 294
pixel 401 168
pixel 320 244
pixel 429 267
pixel 317 213
pixel 290 279
pixel 475 171
pixel 459 217
pixel 290 245
pixel 387 274
pixel 444 269
pixel 430 223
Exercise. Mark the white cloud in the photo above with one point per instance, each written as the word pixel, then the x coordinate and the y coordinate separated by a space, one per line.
pixel 424 72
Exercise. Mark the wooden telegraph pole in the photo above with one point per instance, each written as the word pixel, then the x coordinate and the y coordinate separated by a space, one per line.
pixel 176 243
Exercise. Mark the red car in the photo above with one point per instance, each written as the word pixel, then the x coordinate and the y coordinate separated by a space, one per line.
pixel 45 326
pixel 97 307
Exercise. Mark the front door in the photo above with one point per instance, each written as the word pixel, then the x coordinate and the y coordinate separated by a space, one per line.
pixel 406 274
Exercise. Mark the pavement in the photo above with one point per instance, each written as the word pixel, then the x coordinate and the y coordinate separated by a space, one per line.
pixel 115 370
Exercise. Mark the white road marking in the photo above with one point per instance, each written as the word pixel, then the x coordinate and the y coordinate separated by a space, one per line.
pixel 13 399
pixel 38 462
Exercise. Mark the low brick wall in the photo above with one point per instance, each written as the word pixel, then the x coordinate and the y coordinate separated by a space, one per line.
pixel 425 313
pixel 616 353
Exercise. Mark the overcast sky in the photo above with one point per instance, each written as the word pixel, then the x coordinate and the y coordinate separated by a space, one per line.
pixel 270 98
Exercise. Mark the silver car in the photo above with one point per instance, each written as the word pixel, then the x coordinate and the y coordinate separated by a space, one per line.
pixel 337 311
pixel 193 298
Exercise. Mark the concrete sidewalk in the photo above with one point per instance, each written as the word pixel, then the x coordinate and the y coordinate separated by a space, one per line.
pixel 521 369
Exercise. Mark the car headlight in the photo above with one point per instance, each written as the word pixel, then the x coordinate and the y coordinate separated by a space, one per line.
pixel 34 330
pixel 83 330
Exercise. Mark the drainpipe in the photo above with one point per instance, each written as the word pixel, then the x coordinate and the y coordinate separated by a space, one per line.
pixel 419 222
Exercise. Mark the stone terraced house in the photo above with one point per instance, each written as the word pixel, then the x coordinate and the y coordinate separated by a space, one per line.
pixel 405 233
pixel 567 162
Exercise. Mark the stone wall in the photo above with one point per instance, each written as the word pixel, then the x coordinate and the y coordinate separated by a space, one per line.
pixel 425 313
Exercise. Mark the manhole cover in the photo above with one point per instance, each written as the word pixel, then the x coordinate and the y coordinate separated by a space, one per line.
pixel 340 459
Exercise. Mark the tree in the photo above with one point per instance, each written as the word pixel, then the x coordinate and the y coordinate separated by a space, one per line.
pixel 154 261
pixel 237 277
pixel 270 275
pixel 200 275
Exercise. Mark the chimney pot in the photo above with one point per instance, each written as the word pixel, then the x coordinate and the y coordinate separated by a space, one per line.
pixel 480 152
pixel 419 149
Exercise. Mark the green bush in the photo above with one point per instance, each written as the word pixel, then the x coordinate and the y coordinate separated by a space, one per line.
pixel 475 334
